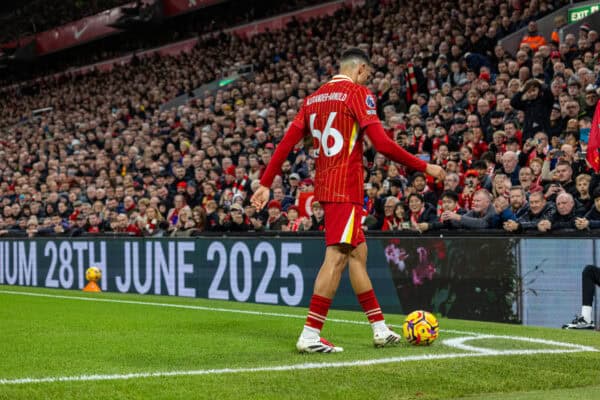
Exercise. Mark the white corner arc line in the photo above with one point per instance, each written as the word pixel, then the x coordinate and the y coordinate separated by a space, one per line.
pixel 279 368
pixel 459 343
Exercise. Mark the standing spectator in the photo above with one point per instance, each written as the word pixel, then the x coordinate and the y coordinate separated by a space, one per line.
pixel 533 39
pixel 536 101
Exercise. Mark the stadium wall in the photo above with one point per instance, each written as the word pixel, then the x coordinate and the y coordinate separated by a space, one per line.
pixel 469 278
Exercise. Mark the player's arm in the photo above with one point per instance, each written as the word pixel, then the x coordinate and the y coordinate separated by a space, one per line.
pixel 291 137
pixel 390 149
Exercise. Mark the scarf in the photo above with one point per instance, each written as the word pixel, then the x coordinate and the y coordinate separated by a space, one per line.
pixel 414 216
pixel 239 187
pixel 418 145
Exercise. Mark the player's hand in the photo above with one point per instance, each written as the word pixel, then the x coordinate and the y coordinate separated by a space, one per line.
pixel 436 171
pixel 260 197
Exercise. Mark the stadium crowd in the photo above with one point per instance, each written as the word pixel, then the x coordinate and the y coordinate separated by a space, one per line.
pixel 511 132
pixel 34 16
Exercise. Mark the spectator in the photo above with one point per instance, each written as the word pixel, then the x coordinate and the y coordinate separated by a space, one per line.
pixel 582 184
pixel 566 214
pixel 518 201
pixel 536 101
pixel 276 220
pixel 533 39
pixel 503 212
pixel 420 212
pixel 480 217
pixel 389 222
pixel 591 220
pixel 237 221
pixel 294 219
pixel 539 210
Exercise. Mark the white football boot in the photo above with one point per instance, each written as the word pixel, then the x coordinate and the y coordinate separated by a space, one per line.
pixel 386 337
pixel 316 345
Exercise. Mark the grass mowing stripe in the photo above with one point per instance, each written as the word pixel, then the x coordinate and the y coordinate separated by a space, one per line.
pixel 293 367
pixel 202 308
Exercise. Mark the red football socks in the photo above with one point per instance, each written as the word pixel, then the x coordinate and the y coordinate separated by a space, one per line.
pixel 370 305
pixel 317 311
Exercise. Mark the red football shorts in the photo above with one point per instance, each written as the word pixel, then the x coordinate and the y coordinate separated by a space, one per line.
pixel 343 223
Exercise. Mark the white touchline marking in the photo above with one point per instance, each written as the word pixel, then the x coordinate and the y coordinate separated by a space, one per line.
pixel 278 368
pixel 202 308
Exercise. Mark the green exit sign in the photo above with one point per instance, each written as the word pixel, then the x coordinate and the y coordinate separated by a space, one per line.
pixel 579 13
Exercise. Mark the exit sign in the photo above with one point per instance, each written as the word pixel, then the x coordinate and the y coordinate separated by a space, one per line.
pixel 579 13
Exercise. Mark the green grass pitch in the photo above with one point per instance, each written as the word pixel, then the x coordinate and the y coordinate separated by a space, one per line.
pixel 70 345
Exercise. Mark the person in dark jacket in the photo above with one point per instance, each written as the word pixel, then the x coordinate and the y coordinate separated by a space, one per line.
pixel 536 100
pixel 449 200
pixel 566 212
pixel 538 210
pixel 237 221
pixel 591 219
pixel 420 211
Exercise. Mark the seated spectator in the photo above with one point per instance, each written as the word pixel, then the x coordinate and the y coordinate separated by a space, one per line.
pixel 480 217
pixel 518 201
pixel 123 224
pixel 449 204
pixel 539 210
pixel 152 218
pixel 236 221
pixel 419 186
pixel 276 219
pixel 510 166
pixel 420 212
pixel 316 222
pixel 213 221
pixel 591 220
pixel 563 177
pixel 294 219
pixel 255 220
pixel 566 212
pixel 389 222
pixel 582 183
pixel 503 212
pixel 502 186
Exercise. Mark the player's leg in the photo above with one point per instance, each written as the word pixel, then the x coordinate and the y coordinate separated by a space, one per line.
pixel 361 283
pixel 340 221
pixel 326 284
pixel 590 277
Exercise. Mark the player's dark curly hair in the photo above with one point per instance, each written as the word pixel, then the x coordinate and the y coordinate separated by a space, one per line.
pixel 356 53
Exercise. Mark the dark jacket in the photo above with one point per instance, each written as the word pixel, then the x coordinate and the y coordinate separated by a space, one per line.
pixel 530 220
pixel 537 111
pixel 429 214
pixel 594 217
pixel 560 222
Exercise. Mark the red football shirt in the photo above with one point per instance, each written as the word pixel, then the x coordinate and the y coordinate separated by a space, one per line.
pixel 336 116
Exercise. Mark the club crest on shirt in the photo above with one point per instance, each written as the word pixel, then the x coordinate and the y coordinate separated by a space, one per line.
pixel 370 101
